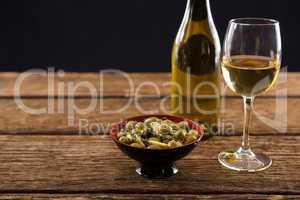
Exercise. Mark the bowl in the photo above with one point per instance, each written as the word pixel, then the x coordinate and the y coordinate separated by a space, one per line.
pixel 156 163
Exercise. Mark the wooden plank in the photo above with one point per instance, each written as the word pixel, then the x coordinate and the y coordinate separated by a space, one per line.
pixel 67 121
pixel 75 164
pixel 115 85
pixel 147 197
pixel 112 84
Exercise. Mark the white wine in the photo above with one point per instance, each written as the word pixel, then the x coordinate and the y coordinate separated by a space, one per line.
pixel 195 65
pixel 250 75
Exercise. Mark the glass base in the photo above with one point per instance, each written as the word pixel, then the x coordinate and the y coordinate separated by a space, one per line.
pixel 244 160
pixel 163 172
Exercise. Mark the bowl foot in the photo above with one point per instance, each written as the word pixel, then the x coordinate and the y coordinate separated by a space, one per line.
pixel 157 172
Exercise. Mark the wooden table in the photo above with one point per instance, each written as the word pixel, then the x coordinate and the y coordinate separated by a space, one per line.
pixel 44 157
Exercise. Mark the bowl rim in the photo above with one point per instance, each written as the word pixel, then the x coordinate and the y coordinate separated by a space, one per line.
pixel 113 135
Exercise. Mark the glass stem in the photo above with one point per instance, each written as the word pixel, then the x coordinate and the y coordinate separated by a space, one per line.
pixel 248 105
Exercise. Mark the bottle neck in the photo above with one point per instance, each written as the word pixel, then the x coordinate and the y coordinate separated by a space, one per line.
pixel 198 9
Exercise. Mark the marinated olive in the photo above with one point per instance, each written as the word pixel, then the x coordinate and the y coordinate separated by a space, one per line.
pixel 130 125
pixel 155 133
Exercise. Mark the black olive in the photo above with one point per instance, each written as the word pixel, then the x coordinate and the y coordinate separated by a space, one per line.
pixel 147 133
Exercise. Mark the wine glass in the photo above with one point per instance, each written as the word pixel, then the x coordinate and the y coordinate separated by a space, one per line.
pixel 250 66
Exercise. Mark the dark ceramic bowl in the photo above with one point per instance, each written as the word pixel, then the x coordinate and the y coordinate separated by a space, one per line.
pixel 156 163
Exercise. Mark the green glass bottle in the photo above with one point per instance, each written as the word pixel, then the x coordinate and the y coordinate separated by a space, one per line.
pixel 195 65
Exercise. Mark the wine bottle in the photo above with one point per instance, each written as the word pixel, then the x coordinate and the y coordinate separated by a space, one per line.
pixel 195 65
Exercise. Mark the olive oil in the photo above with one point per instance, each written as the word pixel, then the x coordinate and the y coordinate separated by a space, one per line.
pixel 195 65
pixel 250 75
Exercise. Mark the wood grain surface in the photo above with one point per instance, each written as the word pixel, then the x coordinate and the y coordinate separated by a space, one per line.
pixel 272 116
pixel 74 164
pixel 115 85
pixel 148 197
pixel 50 155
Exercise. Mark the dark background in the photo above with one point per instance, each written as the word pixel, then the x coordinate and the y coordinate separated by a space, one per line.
pixel 131 35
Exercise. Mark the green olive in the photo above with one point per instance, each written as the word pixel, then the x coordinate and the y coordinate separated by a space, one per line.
pixel 124 140
pixel 184 125
pixel 151 119
pixel 120 134
pixel 155 126
pixel 193 132
pixel 180 134
pixel 190 138
pixel 163 129
pixel 140 125
pixel 137 132
pixel 167 121
pixel 130 125
pixel 165 138
pixel 130 138
pixel 174 127
pixel 138 140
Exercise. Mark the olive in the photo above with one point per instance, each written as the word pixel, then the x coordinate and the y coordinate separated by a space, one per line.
pixel 139 125
pixel 174 127
pixel 155 126
pixel 190 138
pixel 120 134
pixel 184 125
pixel 164 129
pixel 168 122
pixel 138 140
pixel 147 133
pixel 193 132
pixel 137 132
pixel 151 119
pixel 165 138
pixel 130 125
pixel 124 140
pixel 155 133
pixel 180 134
